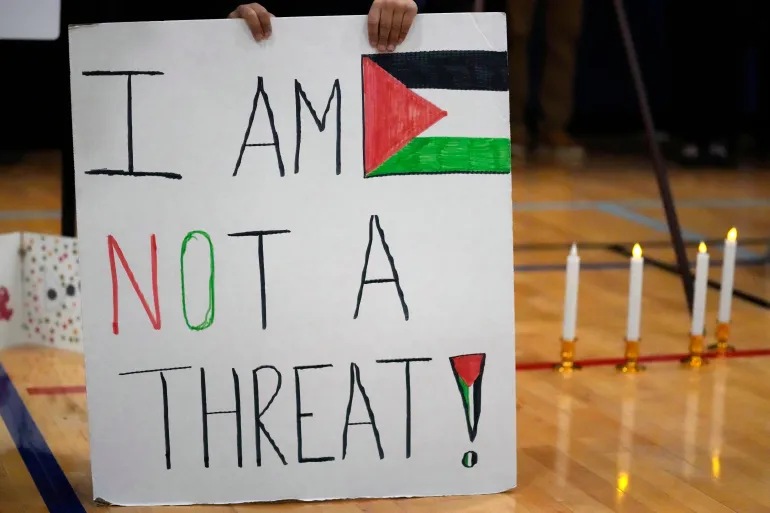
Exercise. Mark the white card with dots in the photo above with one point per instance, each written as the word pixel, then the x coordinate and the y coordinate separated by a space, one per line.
pixel 50 280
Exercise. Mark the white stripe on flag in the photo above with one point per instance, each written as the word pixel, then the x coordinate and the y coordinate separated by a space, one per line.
pixel 469 113
pixel 470 405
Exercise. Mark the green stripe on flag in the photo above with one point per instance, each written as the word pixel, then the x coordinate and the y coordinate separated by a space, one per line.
pixel 443 155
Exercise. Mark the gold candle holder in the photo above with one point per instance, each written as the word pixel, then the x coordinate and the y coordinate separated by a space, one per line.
pixel 723 336
pixel 631 365
pixel 567 363
pixel 695 360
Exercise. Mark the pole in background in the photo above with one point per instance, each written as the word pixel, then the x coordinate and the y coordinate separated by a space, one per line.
pixel 658 163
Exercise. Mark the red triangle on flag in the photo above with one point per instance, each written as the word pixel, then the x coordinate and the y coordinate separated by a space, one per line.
pixel 468 367
pixel 393 115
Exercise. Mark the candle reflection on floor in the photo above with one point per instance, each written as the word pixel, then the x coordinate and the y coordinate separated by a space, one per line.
pixel 689 460
pixel 564 419
pixel 718 416
pixel 625 444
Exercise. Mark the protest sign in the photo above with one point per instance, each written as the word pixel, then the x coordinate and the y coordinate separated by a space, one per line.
pixel 296 260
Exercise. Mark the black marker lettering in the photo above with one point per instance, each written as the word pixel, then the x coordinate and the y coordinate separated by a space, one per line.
pixel 261 258
pixel 375 220
pixel 166 434
pixel 320 123
pixel 206 413
pixel 355 379
pixel 153 370
pixel 300 415
pixel 164 392
pixel 407 373
pixel 259 425
pixel 271 119
pixel 130 127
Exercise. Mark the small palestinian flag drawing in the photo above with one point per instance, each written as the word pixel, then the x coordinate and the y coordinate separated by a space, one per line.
pixel 469 371
pixel 406 133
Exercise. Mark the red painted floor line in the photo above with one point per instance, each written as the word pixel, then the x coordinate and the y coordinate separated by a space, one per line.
pixel 76 389
pixel 524 366
pixel 601 362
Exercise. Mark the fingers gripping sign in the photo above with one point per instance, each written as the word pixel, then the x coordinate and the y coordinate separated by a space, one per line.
pixel 257 18
pixel 389 23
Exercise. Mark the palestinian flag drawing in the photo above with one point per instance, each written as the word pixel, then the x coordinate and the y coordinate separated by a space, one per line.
pixel 468 370
pixel 421 113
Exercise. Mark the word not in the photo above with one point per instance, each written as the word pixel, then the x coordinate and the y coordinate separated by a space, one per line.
pixel 154 312
pixel 260 95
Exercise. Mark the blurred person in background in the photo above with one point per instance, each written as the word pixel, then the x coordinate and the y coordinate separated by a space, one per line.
pixel 755 14
pixel 563 23
pixel 705 44
pixel 710 43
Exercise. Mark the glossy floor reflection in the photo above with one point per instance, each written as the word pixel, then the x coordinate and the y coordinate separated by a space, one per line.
pixel 667 440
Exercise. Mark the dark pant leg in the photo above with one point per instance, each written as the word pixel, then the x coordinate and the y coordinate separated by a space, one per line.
pixel 69 14
pixel 437 6
pixel 757 19
pixel 705 69
pixel 520 17
pixel 564 19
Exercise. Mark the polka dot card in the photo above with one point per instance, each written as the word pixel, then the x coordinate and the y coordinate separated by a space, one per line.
pixel 51 291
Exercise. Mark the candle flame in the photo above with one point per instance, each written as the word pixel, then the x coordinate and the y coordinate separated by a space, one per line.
pixel 623 479
pixel 716 467
pixel 637 251
pixel 702 247
pixel 732 235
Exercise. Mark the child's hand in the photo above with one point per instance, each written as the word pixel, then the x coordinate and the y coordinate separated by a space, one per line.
pixel 257 18
pixel 389 22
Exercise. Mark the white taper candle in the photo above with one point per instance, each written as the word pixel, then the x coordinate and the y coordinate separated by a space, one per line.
pixel 569 327
pixel 728 276
pixel 635 295
pixel 700 290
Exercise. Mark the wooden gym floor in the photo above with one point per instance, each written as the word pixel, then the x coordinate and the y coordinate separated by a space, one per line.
pixel 668 440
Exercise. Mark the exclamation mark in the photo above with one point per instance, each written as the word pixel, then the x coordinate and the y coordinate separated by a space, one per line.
pixel 469 370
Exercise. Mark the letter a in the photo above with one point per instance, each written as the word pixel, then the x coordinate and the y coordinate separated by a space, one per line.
pixel 114 249
pixel 375 220
pixel 271 119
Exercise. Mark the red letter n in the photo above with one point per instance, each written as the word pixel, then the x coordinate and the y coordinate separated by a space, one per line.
pixel 114 249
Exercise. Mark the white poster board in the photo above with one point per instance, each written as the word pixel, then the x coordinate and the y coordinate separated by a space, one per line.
pixel 266 242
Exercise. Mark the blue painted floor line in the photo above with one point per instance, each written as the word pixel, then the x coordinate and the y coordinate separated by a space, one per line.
pixel 544 206
pixel 608 266
pixel 548 206
pixel 661 226
pixel 722 203
pixel 524 206
pixel 55 490
pixel 585 266
pixel 18 215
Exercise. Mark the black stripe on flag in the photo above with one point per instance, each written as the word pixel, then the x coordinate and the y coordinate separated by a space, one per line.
pixel 479 70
